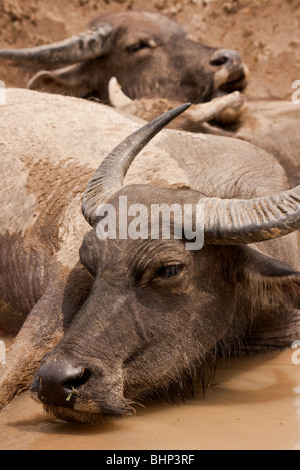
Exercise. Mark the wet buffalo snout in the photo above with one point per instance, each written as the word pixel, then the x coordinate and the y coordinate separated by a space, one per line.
pixel 58 383
pixel 230 72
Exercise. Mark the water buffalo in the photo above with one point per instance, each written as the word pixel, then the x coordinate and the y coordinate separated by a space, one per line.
pixel 131 317
pixel 148 53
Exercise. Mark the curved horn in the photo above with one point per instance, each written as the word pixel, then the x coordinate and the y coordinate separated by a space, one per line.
pixel 84 46
pixel 205 112
pixel 226 221
pixel 109 177
pixel 241 222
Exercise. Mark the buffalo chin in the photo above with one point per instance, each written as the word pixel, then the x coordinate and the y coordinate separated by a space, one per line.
pixel 239 84
pixel 79 417
pixel 70 415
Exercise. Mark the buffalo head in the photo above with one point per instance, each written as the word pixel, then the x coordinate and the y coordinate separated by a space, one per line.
pixel 148 53
pixel 156 312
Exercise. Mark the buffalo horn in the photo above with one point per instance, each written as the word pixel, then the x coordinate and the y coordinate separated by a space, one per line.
pixel 226 221
pixel 90 44
pixel 241 222
pixel 108 179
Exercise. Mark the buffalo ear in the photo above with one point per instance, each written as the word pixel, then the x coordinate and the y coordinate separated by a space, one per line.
pixel 266 281
pixel 71 81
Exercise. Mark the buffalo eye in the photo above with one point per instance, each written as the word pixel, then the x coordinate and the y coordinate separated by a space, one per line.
pixel 137 47
pixel 169 271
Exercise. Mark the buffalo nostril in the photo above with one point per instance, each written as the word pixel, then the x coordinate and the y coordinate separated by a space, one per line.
pixel 219 61
pixel 59 383
pixel 225 56
pixel 76 381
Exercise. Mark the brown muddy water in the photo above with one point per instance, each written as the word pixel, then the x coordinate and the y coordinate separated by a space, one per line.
pixel 253 404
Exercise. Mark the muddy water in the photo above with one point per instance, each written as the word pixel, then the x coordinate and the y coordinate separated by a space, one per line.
pixel 254 404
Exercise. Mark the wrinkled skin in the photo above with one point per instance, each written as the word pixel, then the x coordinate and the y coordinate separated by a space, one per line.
pixel 164 62
pixel 127 318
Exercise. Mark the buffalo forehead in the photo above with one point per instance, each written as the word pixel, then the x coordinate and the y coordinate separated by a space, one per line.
pixel 132 21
